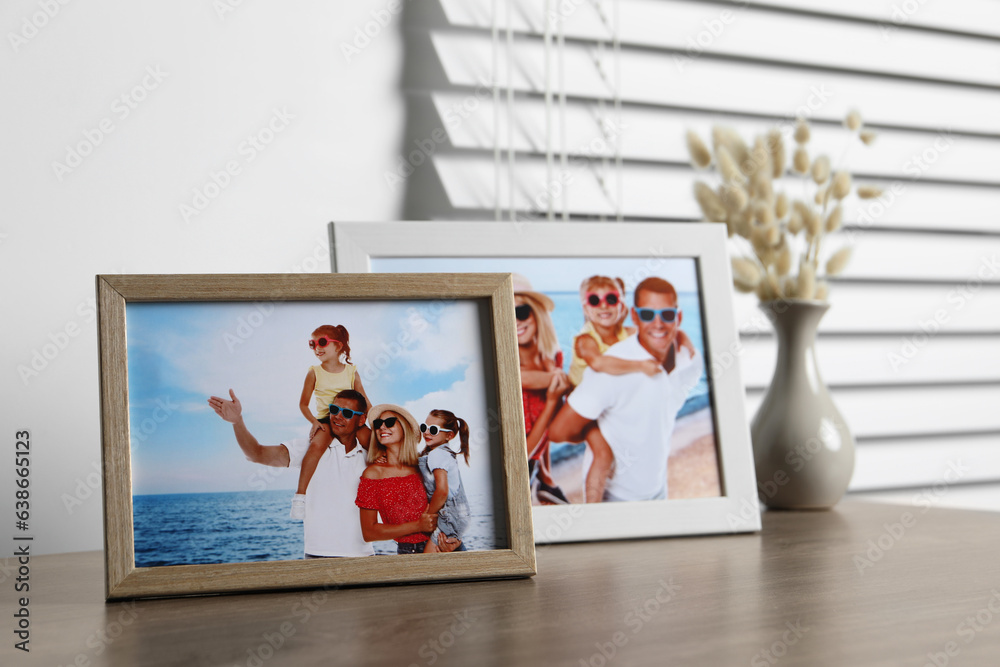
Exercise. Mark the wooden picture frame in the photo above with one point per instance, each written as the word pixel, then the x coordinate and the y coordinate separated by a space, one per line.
pixel 419 246
pixel 487 295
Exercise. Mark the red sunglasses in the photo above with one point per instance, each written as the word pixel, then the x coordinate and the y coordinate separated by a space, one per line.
pixel 322 342
pixel 611 299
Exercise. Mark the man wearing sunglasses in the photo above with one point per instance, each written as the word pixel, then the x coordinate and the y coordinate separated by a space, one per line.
pixel 635 412
pixel 331 524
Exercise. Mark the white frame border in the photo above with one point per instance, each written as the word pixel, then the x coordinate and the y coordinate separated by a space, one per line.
pixel 353 246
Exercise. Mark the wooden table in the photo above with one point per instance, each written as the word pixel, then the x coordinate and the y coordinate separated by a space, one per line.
pixel 864 584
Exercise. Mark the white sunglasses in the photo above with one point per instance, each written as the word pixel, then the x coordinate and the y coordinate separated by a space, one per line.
pixel 433 430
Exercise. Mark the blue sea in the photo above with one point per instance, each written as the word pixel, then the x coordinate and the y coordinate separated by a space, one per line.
pixel 243 526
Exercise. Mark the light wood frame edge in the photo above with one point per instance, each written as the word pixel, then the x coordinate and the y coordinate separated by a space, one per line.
pixel 123 580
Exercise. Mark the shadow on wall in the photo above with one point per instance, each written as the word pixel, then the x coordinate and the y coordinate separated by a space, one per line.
pixel 426 131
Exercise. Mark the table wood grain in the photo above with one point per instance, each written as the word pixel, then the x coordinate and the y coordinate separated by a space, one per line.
pixel 863 584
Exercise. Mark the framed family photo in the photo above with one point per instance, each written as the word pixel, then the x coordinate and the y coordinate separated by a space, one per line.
pixel 289 431
pixel 634 408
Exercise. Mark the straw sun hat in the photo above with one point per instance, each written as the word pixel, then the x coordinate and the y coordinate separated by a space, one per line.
pixel 523 286
pixel 377 410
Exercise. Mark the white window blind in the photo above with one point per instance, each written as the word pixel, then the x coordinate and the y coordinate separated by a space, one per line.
pixel 927 80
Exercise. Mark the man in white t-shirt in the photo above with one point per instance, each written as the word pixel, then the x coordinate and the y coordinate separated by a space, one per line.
pixel 332 524
pixel 635 412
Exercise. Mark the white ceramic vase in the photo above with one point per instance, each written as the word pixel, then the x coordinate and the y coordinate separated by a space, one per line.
pixel 803 450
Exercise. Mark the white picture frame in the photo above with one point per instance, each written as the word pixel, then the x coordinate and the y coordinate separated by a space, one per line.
pixel 356 246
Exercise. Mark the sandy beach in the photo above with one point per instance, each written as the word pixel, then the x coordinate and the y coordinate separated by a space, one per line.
pixel 692 469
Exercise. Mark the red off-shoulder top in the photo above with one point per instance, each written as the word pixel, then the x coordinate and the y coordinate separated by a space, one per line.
pixel 397 499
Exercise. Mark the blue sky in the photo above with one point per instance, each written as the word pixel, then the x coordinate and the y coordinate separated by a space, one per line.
pixel 554 274
pixel 419 354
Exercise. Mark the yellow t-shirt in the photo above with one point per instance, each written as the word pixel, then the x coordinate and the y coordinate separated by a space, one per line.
pixel 578 365
pixel 328 385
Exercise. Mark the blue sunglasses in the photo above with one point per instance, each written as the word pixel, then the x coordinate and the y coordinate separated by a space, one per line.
pixel 668 315
pixel 348 413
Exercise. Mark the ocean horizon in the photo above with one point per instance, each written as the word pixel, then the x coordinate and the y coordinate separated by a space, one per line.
pixel 240 527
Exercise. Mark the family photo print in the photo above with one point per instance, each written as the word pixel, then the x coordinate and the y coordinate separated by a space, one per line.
pixel 295 430
pixel 630 430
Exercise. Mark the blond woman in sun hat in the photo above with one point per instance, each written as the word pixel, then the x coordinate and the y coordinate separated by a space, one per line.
pixel 391 485
pixel 543 381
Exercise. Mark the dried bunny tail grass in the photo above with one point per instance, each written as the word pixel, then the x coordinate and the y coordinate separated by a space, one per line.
pixel 853 120
pixel 764 292
pixel 727 166
pixel 732 141
pixel 836 219
pixel 821 169
pixel 869 192
pixel 781 206
pixel 838 262
pixel 812 223
pixel 699 152
pixel 763 213
pixel 841 185
pixel 795 223
pixel 746 273
pixel 822 195
pixel 743 223
pixel 733 197
pixel 784 264
pixel 800 161
pixel 711 205
pixel 761 187
pixel 802 132
pixel 867 137
pixel 822 290
pixel 776 145
pixel 759 240
pixel 806 288
pixel 773 236
pixel 788 285
pixel 760 159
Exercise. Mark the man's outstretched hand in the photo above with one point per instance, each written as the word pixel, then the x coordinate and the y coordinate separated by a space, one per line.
pixel 230 411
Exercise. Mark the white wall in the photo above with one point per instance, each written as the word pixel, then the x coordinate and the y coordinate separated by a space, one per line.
pixel 118 211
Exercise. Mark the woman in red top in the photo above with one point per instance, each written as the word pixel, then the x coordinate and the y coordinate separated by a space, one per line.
pixel 391 484
pixel 543 381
